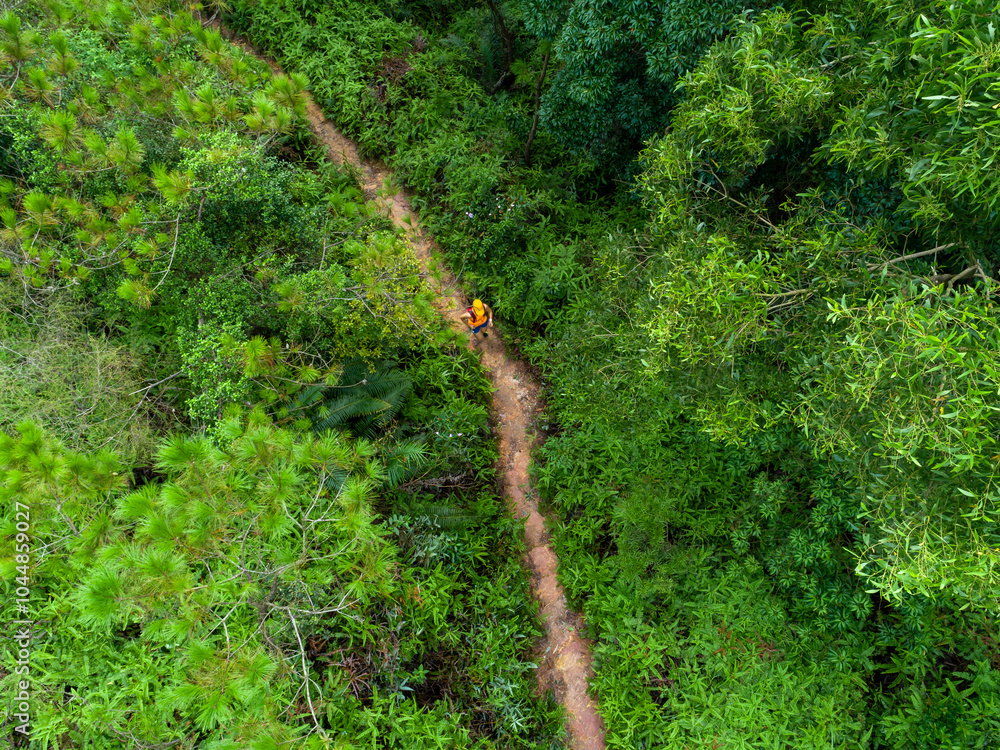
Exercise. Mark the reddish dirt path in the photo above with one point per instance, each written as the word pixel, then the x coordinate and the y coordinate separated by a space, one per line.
pixel 563 653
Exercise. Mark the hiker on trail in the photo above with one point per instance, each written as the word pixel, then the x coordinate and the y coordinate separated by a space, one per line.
pixel 478 317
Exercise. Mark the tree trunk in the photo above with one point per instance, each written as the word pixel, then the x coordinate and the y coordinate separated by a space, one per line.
pixel 505 37
pixel 534 121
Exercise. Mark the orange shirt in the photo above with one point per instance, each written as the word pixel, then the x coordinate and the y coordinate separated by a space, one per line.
pixel 475 320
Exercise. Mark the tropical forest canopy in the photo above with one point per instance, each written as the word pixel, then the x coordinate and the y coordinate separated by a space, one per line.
pixel 750 248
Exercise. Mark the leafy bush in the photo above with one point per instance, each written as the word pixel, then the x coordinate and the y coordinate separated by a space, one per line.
pixel 86 388
pixel 260 582
pixel 721 664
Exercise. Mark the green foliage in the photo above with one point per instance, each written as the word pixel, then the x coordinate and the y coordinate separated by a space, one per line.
pixel 923 111
pixel 718 663
pixel 246 195
pixel 451 417
pixel 750 94
pixel 218 554
pixel 772 455
pixel 248 543
pixel 741 372
pixel 366 398
pixel 262 583
pixel 87 389
pixel 183 249
pixel 618 65
pixel 868 350
pixel 382 81
pixel 406 93
pixel 816 327
pixel 379 308
pixel 211 362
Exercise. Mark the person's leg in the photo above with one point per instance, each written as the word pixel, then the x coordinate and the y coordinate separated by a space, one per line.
pixel 478 335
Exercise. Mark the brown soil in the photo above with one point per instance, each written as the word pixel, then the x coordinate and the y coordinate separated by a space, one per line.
pixel 563 653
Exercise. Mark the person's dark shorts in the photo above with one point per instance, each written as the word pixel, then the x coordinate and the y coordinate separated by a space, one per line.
pixel 477 329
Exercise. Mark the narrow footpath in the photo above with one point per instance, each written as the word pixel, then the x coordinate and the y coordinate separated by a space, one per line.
pixel 563 654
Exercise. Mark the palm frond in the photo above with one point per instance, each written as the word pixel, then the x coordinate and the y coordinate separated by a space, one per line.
pixel 349 406
pixel 403 462
pixel 306 399
pixel 446 517
pixel 365 399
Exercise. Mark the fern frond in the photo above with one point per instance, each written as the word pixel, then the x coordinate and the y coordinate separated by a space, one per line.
pixel 383 382
pixel 347 407
pixel 366 398
pixel 403 462
pixel 353 373
pixel 446 517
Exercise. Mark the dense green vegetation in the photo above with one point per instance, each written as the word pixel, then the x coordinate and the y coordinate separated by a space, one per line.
pixel 752 251
pixel 257 472
pixel 750 247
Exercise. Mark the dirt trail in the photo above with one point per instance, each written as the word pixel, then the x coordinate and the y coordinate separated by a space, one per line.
pixel 564 654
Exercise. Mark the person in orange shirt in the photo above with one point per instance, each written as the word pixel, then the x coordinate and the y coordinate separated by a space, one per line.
pixel 478 317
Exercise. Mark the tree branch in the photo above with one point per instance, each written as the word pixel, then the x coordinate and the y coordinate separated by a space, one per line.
pixel 305 675
pixel 911 256
pixel 505 35
pixel 534 121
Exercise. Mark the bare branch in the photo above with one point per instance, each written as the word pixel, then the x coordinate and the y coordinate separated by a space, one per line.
pixel 911 256
pixel 305 675
pixel 177 231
